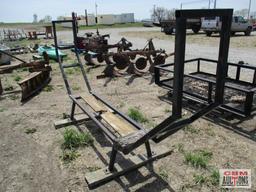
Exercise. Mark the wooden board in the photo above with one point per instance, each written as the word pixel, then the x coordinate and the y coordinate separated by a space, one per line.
pixel 93 103
pixel 30 76
pixel 119 125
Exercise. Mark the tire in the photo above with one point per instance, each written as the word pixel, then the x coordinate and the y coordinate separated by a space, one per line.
pixel 168 31
pixel 208 33
pixel 196 29
pixel 248 31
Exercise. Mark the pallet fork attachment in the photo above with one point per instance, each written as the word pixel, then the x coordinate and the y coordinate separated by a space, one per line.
pixel 127 135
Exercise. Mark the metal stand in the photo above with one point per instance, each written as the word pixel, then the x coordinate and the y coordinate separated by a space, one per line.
pixel 125 134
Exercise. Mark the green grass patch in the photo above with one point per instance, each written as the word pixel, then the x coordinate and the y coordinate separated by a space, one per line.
pixel 69 155
pixel 74 139
pixel 76 87
pixel 17 78
pixel 191 129
pixel 70 71
pixel 136 115
pixel 30 130
pixel 48 88
pixel 200 179
pixel 215 177
pixel 2 110
pixel 122 25
pixel 9 88
pixel 92 169
pixel 198 159
pixel 163 173
pixel 13 97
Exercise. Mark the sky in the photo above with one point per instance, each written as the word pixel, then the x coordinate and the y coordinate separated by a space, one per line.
pixel 23 10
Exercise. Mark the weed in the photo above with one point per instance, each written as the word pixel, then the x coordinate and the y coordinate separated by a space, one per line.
pixel 92 169
pixel 76 87
pixel 191 129
pixel 163 174
pixel 69 155
pixel 13 97
pixel 215 177
pixel 167 110
pixel 48 88
pixel 200 179
pixel 17 78
pixel 136 115
pixel 74 139
pixel 65 116
pixel 180 147
pixel 121 105
pixel 198 159
pixel 2 110
pixel 9 88
pixel 70 71
pixel 30 130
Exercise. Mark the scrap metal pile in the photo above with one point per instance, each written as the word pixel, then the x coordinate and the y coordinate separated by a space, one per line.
pixel 39 74
pixel 124 60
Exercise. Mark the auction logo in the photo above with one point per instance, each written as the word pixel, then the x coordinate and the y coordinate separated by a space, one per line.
pixel 235 178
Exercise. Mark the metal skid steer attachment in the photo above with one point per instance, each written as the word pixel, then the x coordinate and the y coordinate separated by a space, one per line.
pixel 125 134
pixel 38 77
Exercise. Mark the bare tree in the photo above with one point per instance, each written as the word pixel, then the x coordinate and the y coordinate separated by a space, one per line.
pixel 242 12
pixel 35 17
pixel 170 14
pixel 158 14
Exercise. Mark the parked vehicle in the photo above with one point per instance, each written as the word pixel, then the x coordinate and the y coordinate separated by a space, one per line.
pixel 168 26
pixel 147 23
pixel 213 25
pixel 254 27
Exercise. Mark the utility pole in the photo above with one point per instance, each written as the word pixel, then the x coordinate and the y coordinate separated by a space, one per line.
pixel 215 3
pixel 181 6
pixel 209 5
pixel 86 17
pixel 249 9
pixel 96 17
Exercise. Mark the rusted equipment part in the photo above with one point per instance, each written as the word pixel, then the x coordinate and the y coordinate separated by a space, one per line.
pixel 141 63
pixel 38 77
pixel 122 61
pixel 34 83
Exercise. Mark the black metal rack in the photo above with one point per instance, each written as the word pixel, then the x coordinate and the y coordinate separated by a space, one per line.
pixel 234 85
pixel 97 108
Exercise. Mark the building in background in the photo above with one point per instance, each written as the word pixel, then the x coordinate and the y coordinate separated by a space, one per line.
pixel 103 19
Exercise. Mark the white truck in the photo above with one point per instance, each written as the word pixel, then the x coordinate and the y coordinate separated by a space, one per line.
pixel 213 25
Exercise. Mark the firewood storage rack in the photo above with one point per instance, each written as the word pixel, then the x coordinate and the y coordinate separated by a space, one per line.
pixel 124 133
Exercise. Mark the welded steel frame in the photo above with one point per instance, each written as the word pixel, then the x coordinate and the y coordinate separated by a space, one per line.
pixel 249 93
pixel 169 126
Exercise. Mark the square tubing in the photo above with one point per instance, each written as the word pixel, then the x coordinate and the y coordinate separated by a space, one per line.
pixel 222 66
pixel 180 41
pixel 248 103
pixel 72 110
pixel 198 65
pixel 148 148
pixel 112 159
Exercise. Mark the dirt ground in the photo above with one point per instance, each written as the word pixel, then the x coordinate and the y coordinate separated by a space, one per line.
pixel 31 162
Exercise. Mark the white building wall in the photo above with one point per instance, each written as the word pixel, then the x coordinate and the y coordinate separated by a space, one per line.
pixel 127 17
pixel 106 19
